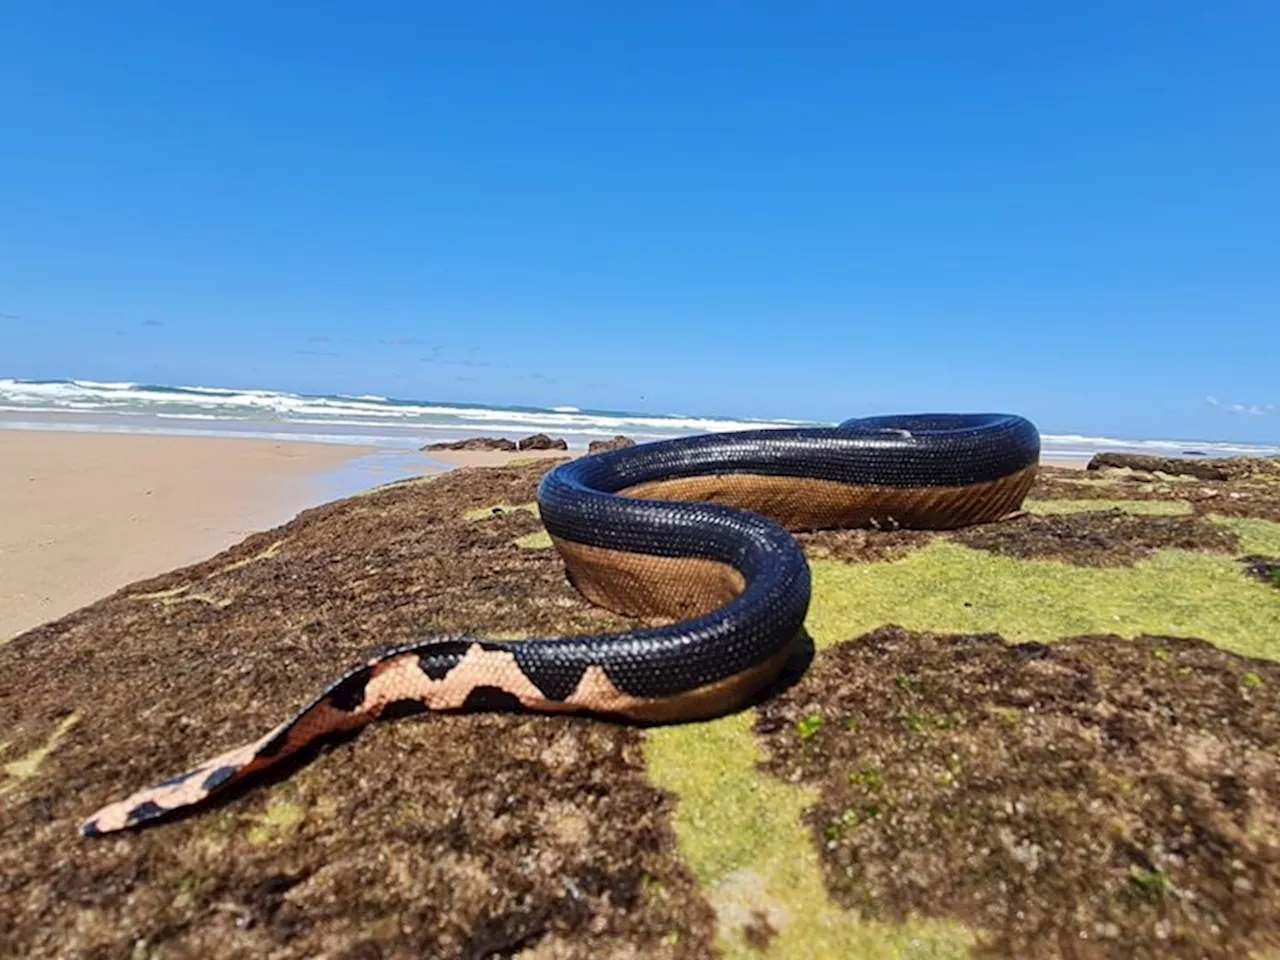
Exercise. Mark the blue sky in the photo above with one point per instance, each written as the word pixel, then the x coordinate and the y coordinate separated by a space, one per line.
pixel 816 210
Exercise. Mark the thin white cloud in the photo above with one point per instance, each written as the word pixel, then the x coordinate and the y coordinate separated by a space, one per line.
pixel 437 359
pixel 1241 409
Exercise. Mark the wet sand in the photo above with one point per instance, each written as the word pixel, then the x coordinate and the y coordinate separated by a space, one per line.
pixel 83 514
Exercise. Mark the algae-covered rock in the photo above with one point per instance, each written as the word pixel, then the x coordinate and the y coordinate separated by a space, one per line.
pixel 449 836
pixel 1081 767
pixel 540 441
pixel 474 443
pixel 1100 796
pixel 619 442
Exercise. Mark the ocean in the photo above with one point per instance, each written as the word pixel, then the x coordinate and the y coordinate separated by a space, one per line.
pixel 404 425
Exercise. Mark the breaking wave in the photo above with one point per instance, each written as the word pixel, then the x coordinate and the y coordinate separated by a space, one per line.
pixel 369 419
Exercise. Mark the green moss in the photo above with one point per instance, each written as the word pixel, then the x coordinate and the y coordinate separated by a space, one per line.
pixel 1156 508
pixel 176 595
pixel 163 596
pixel 1149 883
pixel 538 540
pixel 278 822
pixel 267 554
pixel 947 587
pixel 1256 536
pixel 1009 716
pixel 26 767
pixel 741 833
pixel 869 779
pixel 527 461
pixel 497 509
pixel 807 727
pixel 396 484
pixel 507 635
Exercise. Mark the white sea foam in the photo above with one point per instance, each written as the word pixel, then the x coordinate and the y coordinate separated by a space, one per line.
pixel 376 420
pixel 230 404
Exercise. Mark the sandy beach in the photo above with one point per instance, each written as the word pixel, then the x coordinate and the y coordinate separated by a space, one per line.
pixel 83 514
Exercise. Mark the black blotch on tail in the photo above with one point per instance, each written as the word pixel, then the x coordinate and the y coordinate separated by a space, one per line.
pixel 180 778
pixel 218 778
pixel 348 693
pixel 146 810
pixel 555 679
pixel 90 829
pixel 402 708
pixel 438 658
pixel 492 699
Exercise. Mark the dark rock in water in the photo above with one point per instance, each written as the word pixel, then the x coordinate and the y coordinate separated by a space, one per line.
pixel 617 443
pixel 1194 453
pixel 1172 466
pixel 474 443
pixel 540 441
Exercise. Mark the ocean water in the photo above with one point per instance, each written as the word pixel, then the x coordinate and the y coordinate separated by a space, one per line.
pixel 406 425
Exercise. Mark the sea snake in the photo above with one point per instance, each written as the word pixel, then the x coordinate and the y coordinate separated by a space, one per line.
pixel 691 530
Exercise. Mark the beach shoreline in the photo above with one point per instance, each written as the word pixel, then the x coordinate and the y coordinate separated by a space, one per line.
pixel 407 424
pixel 84 514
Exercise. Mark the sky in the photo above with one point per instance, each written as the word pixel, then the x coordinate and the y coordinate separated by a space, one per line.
pixel 817 210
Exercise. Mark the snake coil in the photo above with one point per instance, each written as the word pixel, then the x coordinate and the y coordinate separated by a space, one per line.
pixel 692 530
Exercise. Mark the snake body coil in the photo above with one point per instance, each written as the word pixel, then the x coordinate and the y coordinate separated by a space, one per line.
pixel 693 530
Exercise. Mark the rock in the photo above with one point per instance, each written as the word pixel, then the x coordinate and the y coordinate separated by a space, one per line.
pixel 617 443
pixel 560 818
pixel 1171 466
pixel 474 443
pixel 540 441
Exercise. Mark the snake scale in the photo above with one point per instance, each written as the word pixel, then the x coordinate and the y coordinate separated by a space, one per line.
pixel 693 531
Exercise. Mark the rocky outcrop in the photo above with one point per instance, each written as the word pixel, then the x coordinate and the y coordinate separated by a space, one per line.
pixel 474 443
pixel 552 804
pixel 617 443
pixel 540 441
pixel 1227 468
